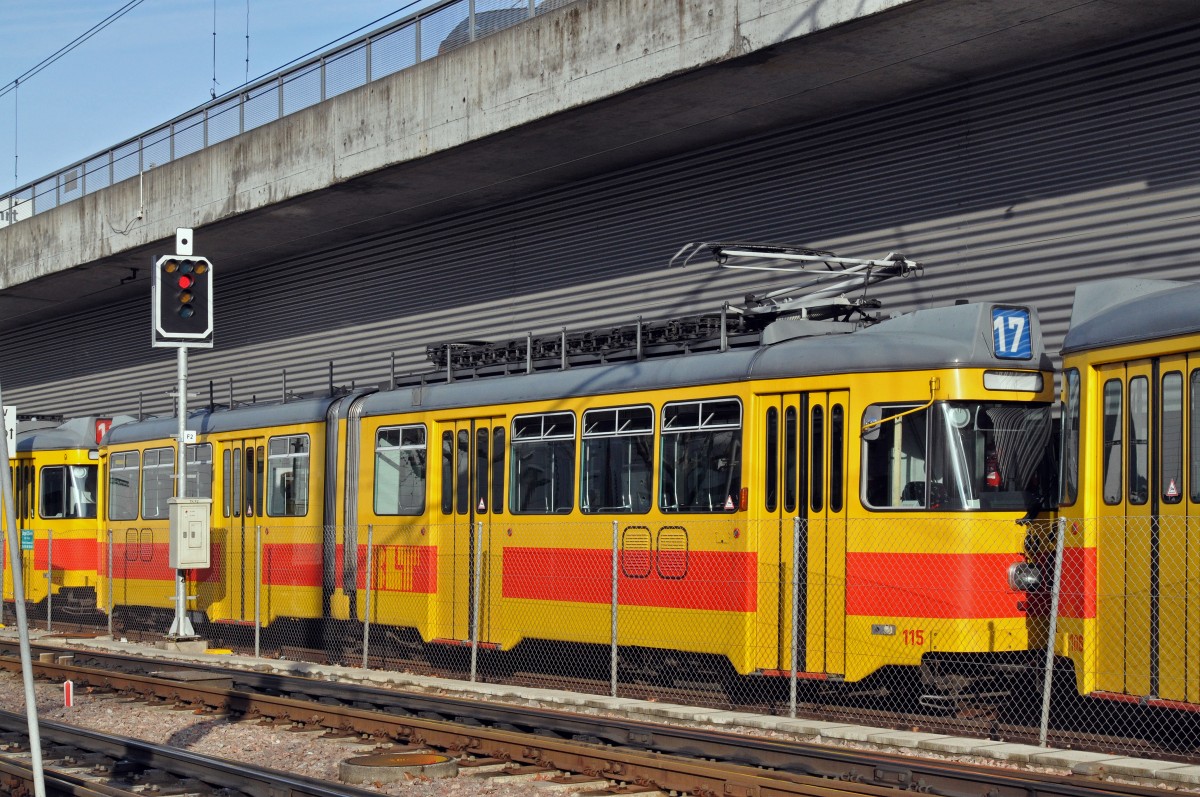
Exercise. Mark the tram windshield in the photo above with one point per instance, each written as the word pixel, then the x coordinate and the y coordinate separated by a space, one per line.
pixel 68 491
pixel 956 455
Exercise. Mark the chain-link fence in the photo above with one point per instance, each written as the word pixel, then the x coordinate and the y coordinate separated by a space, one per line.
pixel 942 623
pixel 61 579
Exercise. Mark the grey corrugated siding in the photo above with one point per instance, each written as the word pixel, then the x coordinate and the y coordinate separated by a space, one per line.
pixel 1014 188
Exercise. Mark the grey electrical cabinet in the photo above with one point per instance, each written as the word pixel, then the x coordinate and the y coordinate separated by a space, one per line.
pixel 190 533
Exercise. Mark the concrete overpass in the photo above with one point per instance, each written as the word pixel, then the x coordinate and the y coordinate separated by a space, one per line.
pixel 581 91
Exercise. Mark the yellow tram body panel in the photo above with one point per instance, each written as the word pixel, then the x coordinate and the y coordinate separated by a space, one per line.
pixel 255 506
pixel 1130 607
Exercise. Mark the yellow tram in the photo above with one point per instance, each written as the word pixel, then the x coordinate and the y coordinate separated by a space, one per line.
pixel 55 471
pixel 1131 480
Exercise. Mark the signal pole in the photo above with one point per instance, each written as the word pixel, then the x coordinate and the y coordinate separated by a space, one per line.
pixel 14 556
pixel 183 319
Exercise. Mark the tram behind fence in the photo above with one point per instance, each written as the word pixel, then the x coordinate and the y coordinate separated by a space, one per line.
pixel 801 508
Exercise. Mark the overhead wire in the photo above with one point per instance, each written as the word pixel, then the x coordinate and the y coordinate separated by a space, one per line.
pixel 83 37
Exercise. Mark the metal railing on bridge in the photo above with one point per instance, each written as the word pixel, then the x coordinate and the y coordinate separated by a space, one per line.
pixel 409 41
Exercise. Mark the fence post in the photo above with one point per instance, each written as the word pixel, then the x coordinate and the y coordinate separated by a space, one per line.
pixel 475 602
pixel 369 579
pixel 49 580
pixel 1048 680
pixel 795 615
pixel 111 583
pixel 257 591
pixel 612 676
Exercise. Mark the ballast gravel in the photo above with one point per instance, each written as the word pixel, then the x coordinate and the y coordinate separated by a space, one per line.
pixel 300 753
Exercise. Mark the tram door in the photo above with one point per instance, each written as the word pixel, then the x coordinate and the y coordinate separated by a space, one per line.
pixel 805 461
pixel 472 482
pixel 243 467
pixel 1144 599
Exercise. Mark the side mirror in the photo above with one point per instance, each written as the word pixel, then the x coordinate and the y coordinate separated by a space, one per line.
pixel 870 423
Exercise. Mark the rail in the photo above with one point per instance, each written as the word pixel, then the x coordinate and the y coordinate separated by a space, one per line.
pixel 399 45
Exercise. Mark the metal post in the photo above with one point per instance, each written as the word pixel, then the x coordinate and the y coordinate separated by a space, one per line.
pixel 795 615
pixel 49 580
pixel 612 666
pixel 367 608
pixel 10 520
pixel 110 584
pixel 725 327
pixel 257 591
pixel 1048 680
pixel 181 628
pixel 475 601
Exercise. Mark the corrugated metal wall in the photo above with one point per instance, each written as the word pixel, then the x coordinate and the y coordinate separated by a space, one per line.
pixel 1014 188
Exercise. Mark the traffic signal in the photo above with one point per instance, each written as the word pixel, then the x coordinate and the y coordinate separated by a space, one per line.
pixel 183 299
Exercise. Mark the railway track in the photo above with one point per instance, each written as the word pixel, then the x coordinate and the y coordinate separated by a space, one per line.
pixel 624 752
pixel 86 763
pixel 1175 743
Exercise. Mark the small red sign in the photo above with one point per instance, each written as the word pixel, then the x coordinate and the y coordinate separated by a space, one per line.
pixel 102 427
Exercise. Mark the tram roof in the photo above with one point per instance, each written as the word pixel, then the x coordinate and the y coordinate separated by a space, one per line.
pixel 1120 311
pixel 206 421
pixel 946 337
pixel 72 434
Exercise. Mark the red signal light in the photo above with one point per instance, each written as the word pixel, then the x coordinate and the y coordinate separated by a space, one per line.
pixel 185 281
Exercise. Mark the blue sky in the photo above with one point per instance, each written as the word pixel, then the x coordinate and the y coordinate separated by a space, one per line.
pixel 153 63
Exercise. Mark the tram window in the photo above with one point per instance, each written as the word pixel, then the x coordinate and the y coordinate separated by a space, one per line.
pixel 543 463
pixel 400 470
pixel 617 460
pixel 701 456
pixel 258 481
pixel 227 477
pixel 287 476
pixel 198 474
pixel 498 470
pixel 158 468
pixel 955 455
pixel 791 459
pixel 816 442
pixel 17 474
pixel 246 501
pixel 1194 434
pixel 1139 440
pixel 837 445
pixel 236 493
pixel 482 469
pixel 463 473
pixel 1112 431
pixel 68 491
pixel 123 485
pixel 771 461
pixel 1069 478
pixel 1171 452
pixel 447 472
pixel 53 492
pixel 81 499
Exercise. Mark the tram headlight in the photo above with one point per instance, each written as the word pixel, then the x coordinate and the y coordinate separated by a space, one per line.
pixel 1024 577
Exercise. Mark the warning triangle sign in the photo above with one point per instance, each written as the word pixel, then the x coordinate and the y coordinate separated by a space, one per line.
pixel 729 502
pixel 1172 490
pixel 482 507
